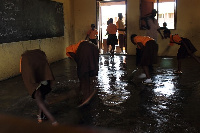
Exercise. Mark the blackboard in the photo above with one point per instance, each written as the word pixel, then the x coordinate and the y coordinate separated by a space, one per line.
pixel 22 20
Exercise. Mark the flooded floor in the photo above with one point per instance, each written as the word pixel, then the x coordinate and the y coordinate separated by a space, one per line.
pixel 122 102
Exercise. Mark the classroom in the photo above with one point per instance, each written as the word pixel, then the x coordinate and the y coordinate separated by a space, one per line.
pixel 70 23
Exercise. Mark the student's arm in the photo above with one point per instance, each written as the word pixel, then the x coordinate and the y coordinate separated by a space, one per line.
pixel 140 45
pixel 146 27
pixel 86 37
pixel 147 24
pixel 73 55
pixel 160 33
pixel 88 33
pixel 20 65
pixel 107 33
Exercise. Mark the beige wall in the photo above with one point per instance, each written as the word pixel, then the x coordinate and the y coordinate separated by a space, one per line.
pixel 54 48
pixel 85 15
pixel 188 22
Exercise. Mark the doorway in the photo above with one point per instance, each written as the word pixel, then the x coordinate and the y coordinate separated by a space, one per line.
pixel 105 11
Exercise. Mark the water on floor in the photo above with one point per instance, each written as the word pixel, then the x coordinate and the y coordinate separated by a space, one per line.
pixel 122 102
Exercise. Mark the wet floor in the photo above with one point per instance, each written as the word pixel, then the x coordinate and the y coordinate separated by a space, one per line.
pixel 122 103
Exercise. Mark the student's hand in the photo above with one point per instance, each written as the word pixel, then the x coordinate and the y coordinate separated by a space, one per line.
pixel 140 45
pixel 73 55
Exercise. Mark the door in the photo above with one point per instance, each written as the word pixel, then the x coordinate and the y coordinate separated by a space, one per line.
pixel 106 10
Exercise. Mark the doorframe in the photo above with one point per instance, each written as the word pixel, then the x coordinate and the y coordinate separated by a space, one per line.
pixel 97 19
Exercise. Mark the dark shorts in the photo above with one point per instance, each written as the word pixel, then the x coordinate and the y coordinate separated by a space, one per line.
pixel 44 90
pixel 112 39
pixel 182 51
pixel 121 40
pixel 138 56
pixel 149 53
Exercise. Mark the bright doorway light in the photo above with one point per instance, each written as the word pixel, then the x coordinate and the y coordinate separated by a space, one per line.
pixel 111 11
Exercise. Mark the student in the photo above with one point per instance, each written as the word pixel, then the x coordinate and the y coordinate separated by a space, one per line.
pixel 152 29
pixel 149 51
pixel 186 48
pixel 112 38
pixel 121 29
pixel 92 34
pixel 163 28
pixel 38 78
pixel 86 55
pixel 152 25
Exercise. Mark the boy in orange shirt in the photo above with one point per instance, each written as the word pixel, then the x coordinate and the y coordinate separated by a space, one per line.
pixel 112 38
pixel 186 48
pixel 92 34
pixel 121 31
pixel 149 52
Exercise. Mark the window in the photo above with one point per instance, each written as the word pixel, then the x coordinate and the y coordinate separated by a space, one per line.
pixel 166 12
pixel 160 15
pixel 171 15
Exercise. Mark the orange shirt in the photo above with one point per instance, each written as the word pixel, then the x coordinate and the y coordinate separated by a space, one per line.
pixel 73 48
pixel 175 39
pixel 142 39
pixel 92 33
pixel 111 28
pixel 120 25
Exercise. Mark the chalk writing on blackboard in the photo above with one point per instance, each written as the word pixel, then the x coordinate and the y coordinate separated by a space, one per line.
pixel 22 20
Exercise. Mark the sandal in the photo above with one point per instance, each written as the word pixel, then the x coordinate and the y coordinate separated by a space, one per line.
pixel 40 119
pixel 178 72
pixel 55 123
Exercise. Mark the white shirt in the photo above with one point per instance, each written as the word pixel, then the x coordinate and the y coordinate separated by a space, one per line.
pixel 152 32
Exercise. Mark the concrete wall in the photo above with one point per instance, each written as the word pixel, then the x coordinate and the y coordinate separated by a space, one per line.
pixel 54 48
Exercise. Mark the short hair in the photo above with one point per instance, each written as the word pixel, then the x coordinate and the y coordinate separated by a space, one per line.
pixel 165 23
pixel 133 35
pixel 111 20
pixel 167 31
pixel 119 14
pixel 154 11
pixel 92 25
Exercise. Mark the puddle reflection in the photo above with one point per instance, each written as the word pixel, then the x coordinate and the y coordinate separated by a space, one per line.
pixel 112 87
pixel 165 83
pixel 164 91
